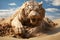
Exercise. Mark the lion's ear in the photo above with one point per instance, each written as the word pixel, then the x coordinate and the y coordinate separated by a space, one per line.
pixel 40 4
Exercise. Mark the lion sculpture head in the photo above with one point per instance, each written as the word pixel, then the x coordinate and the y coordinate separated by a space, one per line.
pixel 33 11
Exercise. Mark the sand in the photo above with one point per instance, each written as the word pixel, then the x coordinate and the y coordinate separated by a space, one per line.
pixel 53 35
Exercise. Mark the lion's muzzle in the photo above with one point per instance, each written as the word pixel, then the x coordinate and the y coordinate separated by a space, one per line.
pixel 34 17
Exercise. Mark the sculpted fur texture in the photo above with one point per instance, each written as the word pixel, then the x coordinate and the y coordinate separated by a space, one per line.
pixel 28 20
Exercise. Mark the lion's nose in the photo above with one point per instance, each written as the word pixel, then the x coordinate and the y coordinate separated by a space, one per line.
pixel 34 13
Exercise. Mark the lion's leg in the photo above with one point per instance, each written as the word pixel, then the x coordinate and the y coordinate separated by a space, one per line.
pixel 17 26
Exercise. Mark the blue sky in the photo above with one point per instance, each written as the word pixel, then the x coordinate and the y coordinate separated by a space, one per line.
pixel 52 7
pixel 6 4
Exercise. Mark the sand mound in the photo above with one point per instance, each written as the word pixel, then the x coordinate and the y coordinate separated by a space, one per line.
pixel 54 35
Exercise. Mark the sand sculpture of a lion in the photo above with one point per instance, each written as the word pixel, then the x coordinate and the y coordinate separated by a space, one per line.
pixel 29 19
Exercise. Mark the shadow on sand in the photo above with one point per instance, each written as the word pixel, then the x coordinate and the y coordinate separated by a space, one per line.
pixel 54 31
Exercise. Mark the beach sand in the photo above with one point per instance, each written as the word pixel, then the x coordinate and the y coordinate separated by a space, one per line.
pixel 53 35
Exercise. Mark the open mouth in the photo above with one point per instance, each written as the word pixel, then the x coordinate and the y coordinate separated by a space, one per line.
pixel 33 20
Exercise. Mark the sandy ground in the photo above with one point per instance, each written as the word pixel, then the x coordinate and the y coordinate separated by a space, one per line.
pixel 54 35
